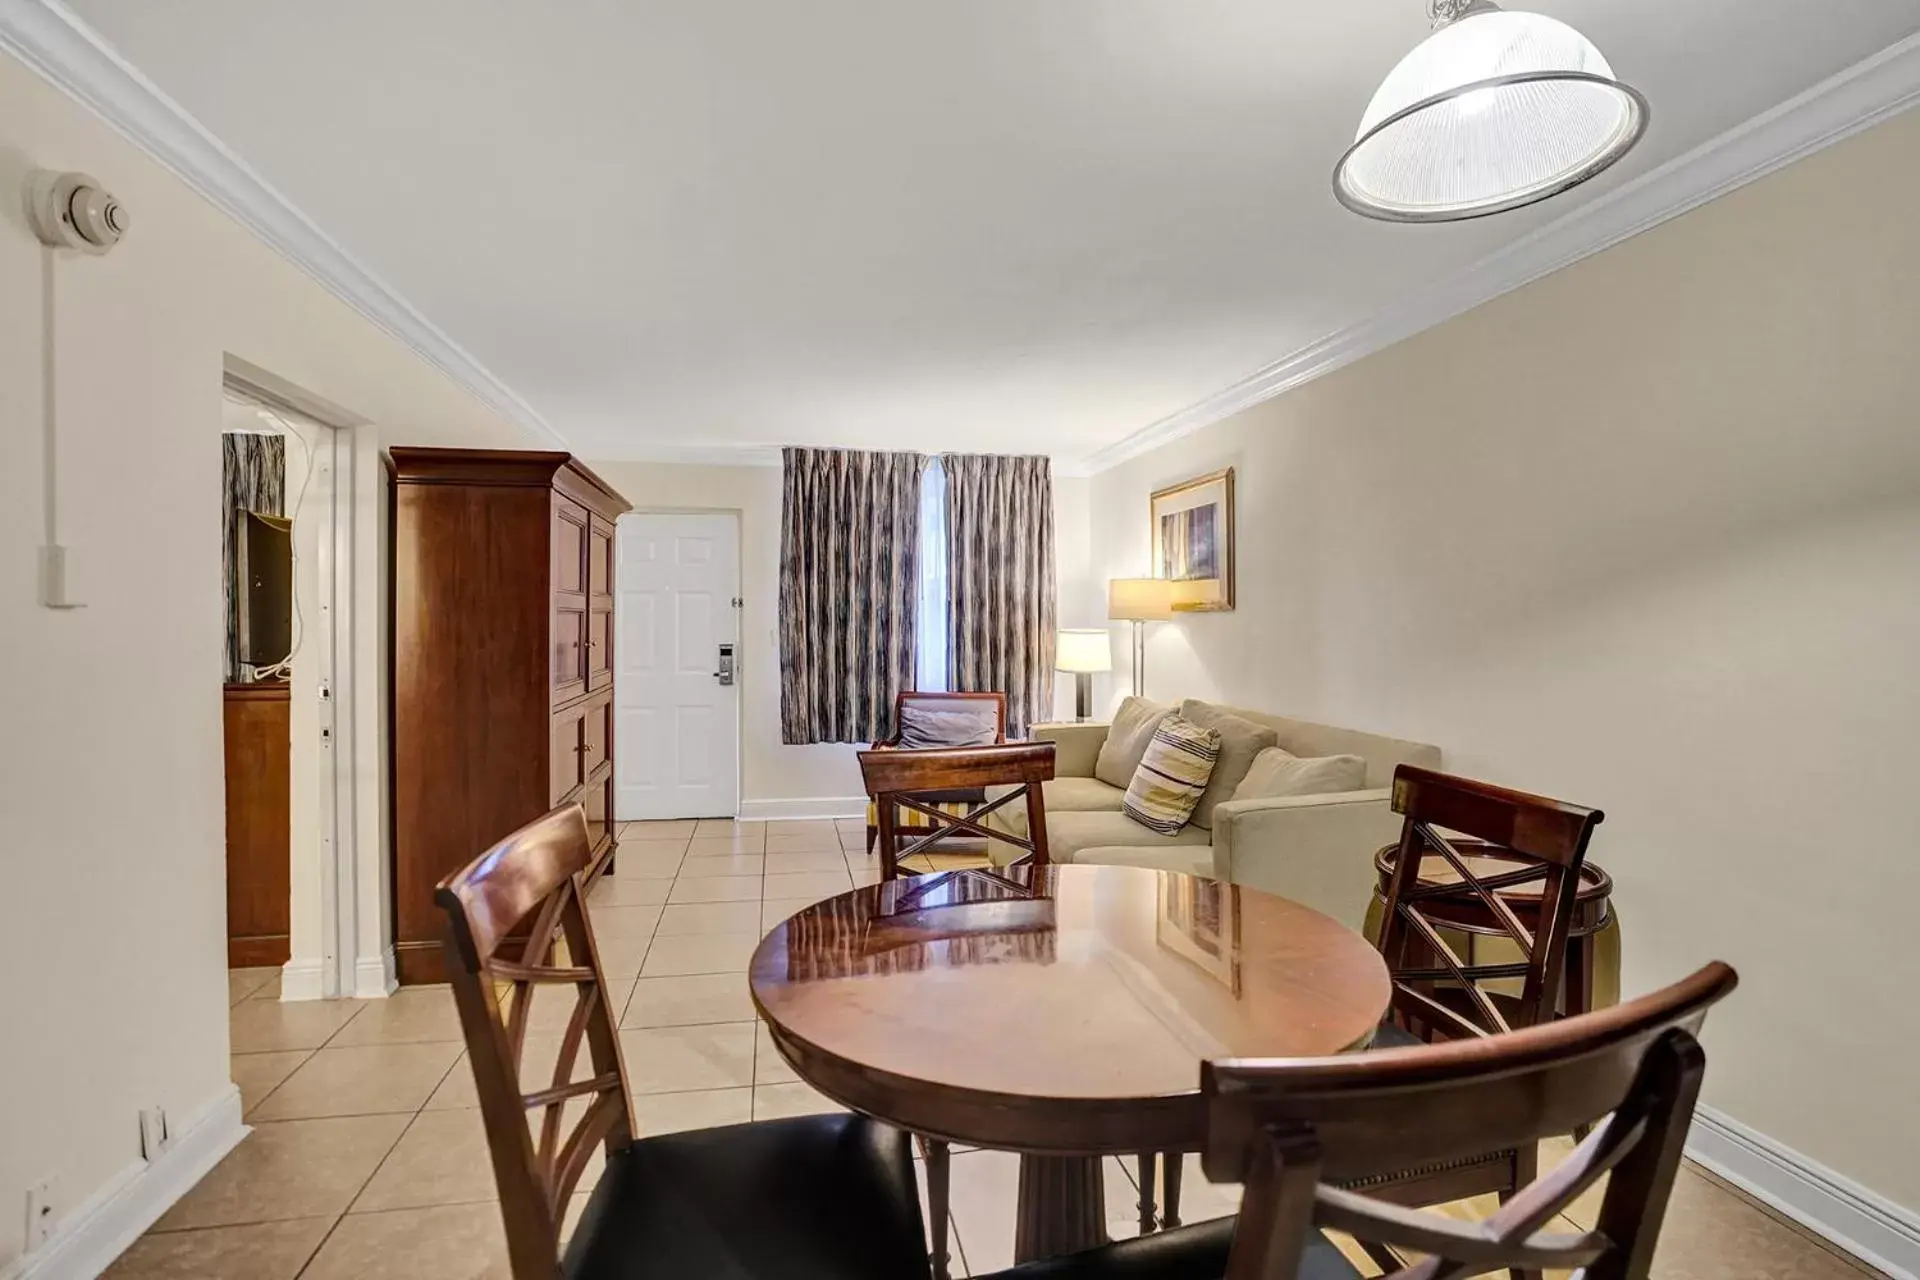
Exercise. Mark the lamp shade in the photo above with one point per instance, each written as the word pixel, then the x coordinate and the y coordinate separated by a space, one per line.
pixel 1082 651
pixel 1491 112
pixel 1140 599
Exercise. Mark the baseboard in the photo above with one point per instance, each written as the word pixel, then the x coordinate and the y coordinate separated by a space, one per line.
pixel 806 807
pixel 303 980
pixel 374 976
pixel 88 1240
pixel 1872 1228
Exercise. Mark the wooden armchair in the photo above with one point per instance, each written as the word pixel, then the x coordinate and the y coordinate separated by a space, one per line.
pixel 933 702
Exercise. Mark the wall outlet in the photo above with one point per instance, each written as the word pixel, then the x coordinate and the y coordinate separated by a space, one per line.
pixel 41 1212
pixel 153 1132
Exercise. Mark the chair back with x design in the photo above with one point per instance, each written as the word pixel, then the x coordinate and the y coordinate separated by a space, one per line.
pixel 900 780
pixel 1294 1130
pixel 532 878
pixel 1521 854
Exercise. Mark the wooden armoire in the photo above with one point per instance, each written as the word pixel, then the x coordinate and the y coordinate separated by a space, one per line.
pixel 502 586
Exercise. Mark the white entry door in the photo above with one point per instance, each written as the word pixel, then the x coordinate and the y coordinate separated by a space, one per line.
pixel 678 723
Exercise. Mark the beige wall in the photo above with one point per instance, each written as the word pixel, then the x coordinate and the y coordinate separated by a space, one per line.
pixel 111 779
pixel 770 770
pixel 1646 535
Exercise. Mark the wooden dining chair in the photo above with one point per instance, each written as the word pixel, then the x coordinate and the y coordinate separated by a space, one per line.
pixel 1435 989
pixel 812 1198
pixel 1308 1136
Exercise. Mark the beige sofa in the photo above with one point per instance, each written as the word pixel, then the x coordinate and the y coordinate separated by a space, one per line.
pixel 1315 849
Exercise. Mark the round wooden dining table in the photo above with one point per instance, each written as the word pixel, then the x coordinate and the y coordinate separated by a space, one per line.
pixel 1060 1012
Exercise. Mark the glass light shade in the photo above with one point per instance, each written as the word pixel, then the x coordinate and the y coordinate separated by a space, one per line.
pixel 1493 111
pixel 1140 599
pixel 1082 651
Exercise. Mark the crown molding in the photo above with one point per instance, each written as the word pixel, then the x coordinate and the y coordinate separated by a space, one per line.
pixel 55 42
pixel 695 455
pixel 1857 98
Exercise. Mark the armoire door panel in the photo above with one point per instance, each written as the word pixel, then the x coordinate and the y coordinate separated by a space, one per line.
pixel 567 767
pixel 600 560
pixel 599 657
pixel 569 548
pixel 596 733
pixel 569 652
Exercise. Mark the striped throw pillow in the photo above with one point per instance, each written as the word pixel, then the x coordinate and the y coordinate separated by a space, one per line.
pixel 1172 775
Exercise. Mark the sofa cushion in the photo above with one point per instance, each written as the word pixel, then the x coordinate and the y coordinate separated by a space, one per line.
pixel 1062 795
pixel 1277 772
pixel 1127 738
pixel 1073 832
pixel 1310 741
pixel 1172 775
pixel 962 724
pixel 1240 741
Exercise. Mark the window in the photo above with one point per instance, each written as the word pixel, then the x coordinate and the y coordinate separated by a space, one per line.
pixel 930 612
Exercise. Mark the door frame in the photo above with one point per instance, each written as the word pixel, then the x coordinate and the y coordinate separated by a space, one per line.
pixel 738 516
pixel 341 936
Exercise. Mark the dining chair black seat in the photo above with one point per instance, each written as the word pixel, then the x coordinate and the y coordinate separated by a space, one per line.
pixel 811 1198
pixel 1198 1252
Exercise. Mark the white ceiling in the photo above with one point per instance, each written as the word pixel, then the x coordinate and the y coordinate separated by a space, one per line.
pixel 1008 225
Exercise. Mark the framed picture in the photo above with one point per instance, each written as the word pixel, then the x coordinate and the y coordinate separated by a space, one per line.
pixel 1193 541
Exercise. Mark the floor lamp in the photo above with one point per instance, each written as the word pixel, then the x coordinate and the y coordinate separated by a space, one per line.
pixel 1139 601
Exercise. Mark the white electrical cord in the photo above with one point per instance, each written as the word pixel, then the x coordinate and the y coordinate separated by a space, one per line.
pixel 285 665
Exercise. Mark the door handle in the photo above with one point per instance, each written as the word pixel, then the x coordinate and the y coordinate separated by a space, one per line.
pixel 725 674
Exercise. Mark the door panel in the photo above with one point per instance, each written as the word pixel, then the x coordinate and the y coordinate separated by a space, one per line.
pixel 569 547
pixel 568 752
pixel 569 652
pixel 678 576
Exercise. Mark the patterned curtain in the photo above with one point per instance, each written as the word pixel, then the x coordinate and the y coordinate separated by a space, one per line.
pixel 849 547
pixel 254 475
pixel 1000 566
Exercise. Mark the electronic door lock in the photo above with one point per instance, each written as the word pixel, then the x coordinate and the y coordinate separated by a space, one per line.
pixel 725 674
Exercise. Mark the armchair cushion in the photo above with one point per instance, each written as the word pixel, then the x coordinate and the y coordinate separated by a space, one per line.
pixel 955 725
pixel 1127 739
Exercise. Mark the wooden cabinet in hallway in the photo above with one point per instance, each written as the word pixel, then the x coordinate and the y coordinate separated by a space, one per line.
pixel 502 665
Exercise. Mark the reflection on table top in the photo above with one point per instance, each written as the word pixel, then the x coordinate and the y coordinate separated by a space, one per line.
pixel 1068 982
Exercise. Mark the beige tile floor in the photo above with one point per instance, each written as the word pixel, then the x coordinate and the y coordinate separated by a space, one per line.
pixel 367 1159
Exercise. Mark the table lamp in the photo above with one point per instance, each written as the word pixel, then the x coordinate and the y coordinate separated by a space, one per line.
pixel 1083 653
pixel 1139 600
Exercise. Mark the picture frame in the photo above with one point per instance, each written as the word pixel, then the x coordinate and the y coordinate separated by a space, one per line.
pixel 1193 541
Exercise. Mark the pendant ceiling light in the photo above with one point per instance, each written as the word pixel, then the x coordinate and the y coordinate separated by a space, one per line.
pixel 1493 111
